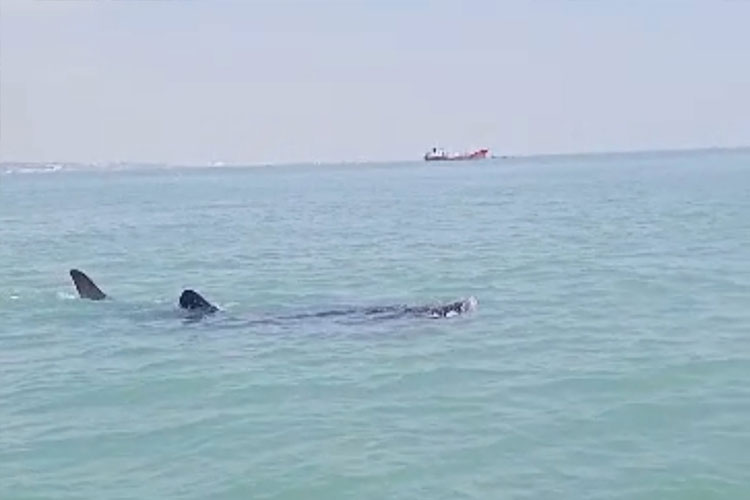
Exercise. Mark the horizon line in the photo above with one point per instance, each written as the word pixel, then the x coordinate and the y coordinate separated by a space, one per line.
pixel 508 156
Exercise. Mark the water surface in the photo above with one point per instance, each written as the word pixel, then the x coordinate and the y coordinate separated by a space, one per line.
pixel 608 358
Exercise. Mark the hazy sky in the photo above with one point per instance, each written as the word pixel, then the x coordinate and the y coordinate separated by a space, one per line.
pixel 196 81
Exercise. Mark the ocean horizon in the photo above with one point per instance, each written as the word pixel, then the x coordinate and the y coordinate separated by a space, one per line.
pixel 9 166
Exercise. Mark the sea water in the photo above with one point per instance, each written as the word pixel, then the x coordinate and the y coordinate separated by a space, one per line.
pixel 608 358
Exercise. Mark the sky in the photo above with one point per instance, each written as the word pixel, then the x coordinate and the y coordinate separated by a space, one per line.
pixel 276 81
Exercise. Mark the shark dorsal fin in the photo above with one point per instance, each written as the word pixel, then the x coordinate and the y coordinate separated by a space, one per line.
pixel 193 301
pixel 86 288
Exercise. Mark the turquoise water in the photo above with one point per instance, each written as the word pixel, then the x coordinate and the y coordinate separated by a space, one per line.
pixel 608 358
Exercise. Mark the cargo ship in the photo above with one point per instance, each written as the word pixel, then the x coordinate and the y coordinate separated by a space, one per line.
pixel 440 155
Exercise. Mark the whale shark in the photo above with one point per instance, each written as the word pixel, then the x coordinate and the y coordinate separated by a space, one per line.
pixel 193 302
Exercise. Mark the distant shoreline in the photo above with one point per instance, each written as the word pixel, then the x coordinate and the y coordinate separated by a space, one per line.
pixel 115 165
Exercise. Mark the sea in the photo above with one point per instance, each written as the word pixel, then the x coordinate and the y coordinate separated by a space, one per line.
pixel 608 357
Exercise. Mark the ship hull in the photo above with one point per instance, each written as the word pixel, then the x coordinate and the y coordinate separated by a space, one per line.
pixel 476 155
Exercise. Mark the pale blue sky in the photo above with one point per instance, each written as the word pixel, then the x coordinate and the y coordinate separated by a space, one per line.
pixel 197 81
